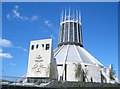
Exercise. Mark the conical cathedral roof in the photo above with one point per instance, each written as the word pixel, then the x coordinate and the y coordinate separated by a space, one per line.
pixel 75 54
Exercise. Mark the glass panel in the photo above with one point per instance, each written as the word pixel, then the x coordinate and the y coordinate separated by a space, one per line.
pixel 75 32
pixel 66 31
pixel 71 31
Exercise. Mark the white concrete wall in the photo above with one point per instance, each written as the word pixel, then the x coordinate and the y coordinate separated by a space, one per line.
pixel 59 68
pixel 40 59
pixel 70 72
pixel 71 68
pixel 94 73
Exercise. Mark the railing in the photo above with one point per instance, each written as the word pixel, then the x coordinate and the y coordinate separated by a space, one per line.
pixel 10 80
pixel 22 81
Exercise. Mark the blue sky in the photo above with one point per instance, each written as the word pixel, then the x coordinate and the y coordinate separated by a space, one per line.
pixel 23 22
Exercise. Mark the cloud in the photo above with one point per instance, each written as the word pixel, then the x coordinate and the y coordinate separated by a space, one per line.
pixel 48 23
pixel 16 14
pixel 8 44
pixel 23 49
pixel 34 18
pixel 0 50
pixel 8 16
pixel 52 26
pixel 52 36
pixel 5 55
pixel 12 64
pixel 5 43
pixel 16 7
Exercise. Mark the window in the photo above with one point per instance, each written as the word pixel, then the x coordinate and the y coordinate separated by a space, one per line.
pixel 66 32
pixel 42 45
pixel 32 47
pixel 75 32
pixel 71 31
pixel 47 47
pixel 37 46
pixel 62 28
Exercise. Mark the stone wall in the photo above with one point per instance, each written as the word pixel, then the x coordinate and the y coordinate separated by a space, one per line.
pixel 66 85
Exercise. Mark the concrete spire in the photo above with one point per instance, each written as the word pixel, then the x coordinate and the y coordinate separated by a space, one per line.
pixel 61 18
pixel 69 13
pixel 73 15
pixel 65 15
pixel 77 14
pixel 79 17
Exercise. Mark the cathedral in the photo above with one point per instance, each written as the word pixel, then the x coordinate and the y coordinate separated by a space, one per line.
pixel 69 61
pixel 74 63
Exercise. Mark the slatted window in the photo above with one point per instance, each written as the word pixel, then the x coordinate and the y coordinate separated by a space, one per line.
pixel 47 46
pixel 32 47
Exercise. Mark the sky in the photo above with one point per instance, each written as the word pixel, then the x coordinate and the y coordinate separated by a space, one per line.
pixel 23 22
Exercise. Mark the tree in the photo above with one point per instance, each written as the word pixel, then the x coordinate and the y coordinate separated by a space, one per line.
pixel 78 70
pixel 112 72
